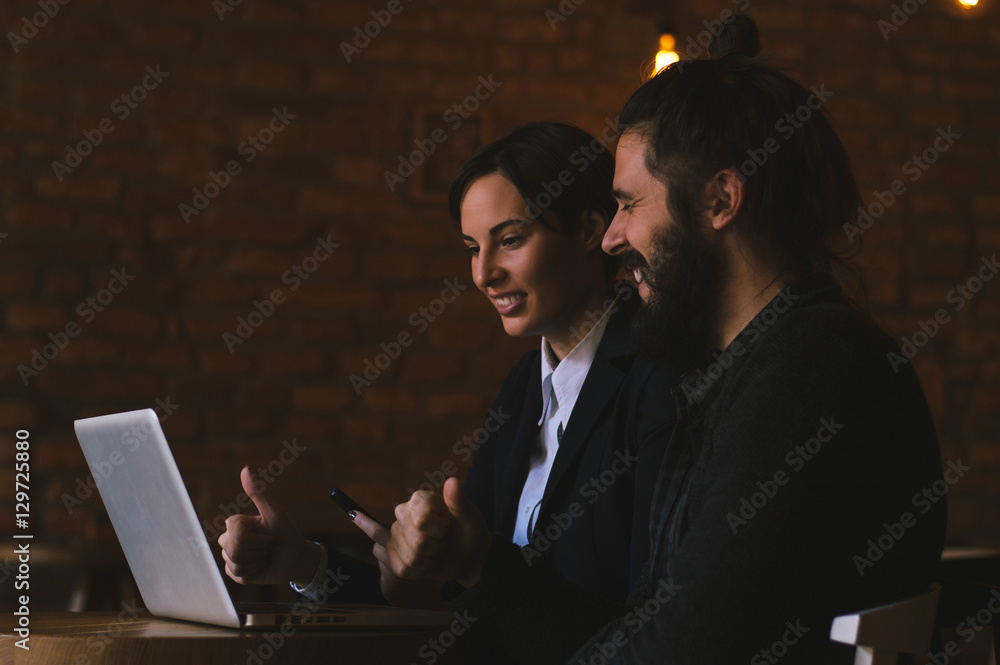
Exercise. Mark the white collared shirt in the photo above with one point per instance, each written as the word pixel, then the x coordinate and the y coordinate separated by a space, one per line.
pixel 561 385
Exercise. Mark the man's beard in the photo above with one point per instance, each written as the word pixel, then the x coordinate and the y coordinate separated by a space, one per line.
pixel 673 327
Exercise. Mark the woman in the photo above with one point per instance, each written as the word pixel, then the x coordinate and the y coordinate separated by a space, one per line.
pixel 569 475
pixel 533 208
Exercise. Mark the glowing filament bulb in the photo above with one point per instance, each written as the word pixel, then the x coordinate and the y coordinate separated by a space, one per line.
pixel 667 55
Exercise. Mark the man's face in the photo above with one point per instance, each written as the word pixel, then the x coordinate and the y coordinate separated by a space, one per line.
pixel 676 267
pixel 642 210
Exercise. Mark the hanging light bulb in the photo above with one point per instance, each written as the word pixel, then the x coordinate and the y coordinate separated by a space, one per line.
pixel 666 55
pixel 969 9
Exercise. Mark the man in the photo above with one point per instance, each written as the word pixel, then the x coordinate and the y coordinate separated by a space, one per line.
pixel 799 482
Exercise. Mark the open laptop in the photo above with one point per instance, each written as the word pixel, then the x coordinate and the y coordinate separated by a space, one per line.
pixel 167 550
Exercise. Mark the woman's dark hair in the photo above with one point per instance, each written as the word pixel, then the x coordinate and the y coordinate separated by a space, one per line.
pixel 736 112
pixel 557 169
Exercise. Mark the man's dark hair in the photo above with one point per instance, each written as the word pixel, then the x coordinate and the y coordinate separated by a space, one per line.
pixel 734 111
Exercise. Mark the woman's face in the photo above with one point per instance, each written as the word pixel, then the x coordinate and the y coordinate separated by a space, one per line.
pixel 538 279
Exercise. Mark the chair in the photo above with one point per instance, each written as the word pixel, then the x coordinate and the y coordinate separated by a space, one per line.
pixel 971 581
pixel 882 633
pixel 967 617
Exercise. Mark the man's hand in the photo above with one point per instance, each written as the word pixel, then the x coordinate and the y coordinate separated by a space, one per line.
pixel 266 548
pixel 439 537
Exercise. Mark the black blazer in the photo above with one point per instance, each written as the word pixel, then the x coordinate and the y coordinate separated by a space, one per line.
pixel 592 523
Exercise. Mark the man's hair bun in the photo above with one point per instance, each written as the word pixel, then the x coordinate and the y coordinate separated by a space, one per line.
pixel 737 36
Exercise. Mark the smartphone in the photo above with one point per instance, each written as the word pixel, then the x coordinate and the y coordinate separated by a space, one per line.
pixel 347 504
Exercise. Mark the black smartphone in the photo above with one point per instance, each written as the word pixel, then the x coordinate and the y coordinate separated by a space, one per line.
pixel 347 504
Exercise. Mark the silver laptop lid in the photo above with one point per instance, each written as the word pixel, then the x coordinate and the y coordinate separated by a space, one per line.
pixel 153 517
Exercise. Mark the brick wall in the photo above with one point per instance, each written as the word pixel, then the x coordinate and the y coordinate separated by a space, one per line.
pixel 264 90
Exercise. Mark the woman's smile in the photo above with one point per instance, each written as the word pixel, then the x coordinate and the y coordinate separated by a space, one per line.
pixel 506 303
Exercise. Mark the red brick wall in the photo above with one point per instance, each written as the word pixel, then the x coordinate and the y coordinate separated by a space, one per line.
pixel 323 176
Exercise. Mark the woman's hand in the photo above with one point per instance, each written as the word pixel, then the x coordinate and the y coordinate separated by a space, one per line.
pixel 266 548
pixel 439 537
pixel 399 592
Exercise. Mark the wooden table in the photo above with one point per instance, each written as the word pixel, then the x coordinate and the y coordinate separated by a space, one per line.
pixel 106 638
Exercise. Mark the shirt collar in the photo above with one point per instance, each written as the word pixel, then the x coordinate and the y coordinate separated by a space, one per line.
pixel 565 378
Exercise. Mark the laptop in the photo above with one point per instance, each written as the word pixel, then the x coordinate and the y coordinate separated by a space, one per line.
pixel 166 547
